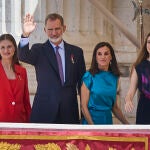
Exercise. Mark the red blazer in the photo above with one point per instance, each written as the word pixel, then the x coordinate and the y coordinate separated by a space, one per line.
pixel 14 103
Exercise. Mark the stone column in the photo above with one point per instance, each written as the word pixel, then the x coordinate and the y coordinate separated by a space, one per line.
pixel 86 17
pixel 15 17
pixel 41 9
pixel 2 16
pixel 30 7
pixel 51 6
pixel 102 27
pixel 72 15
pixel 55 6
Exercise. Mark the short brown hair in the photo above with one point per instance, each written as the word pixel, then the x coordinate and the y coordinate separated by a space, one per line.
pixel 54 16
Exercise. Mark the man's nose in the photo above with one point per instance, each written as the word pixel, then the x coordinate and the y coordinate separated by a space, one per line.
pixel 54 32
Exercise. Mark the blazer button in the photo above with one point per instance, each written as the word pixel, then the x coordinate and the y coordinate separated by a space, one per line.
pixel 13 103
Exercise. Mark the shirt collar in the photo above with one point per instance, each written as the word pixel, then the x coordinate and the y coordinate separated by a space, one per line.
pixel 61 45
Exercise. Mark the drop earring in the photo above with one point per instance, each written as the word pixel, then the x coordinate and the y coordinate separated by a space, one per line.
pixel 110 63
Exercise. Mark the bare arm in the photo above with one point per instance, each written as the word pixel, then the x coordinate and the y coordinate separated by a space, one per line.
pixel 116 110
pixel 118 113
pixel 85 94
pixel 131 92
pixel 28 25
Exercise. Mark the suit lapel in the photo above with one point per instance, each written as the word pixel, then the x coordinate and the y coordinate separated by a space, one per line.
pixel 67 62
pixel 50 54
pixel 5 80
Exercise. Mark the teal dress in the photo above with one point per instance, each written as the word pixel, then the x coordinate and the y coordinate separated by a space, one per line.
pixel 103 91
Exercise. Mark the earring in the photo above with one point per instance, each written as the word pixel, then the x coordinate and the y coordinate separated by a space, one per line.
pixel 110 63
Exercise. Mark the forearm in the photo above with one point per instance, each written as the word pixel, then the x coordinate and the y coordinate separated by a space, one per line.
pixel 133 87
pixel 129 97
pixel 87 115
pixel 23 52
pixel 118 113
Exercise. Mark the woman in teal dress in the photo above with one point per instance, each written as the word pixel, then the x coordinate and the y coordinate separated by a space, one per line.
pixel 100 88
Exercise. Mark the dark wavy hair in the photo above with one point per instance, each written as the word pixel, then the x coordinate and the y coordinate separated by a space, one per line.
pixel 10 38
pixel 113 67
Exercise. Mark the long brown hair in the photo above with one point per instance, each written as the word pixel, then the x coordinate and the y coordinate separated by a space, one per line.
pixel 10 38
pixel 113 67
pixel 143 55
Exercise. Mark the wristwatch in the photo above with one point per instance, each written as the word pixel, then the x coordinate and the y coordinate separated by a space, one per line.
pixel 24 36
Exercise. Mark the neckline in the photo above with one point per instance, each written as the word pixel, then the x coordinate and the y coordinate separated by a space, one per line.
pixel 103 70
pixel 12 79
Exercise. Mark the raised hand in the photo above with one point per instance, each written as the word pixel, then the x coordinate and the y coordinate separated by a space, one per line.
pixel 28 25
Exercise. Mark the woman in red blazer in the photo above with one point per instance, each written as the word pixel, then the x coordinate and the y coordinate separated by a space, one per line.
pixel 14 95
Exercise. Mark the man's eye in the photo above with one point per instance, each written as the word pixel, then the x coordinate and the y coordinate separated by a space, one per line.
pixel 57 29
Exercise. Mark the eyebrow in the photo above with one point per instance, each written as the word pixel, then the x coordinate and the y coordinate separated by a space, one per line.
pixel 104 52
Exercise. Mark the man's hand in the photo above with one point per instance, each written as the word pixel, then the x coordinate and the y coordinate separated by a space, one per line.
pixel 28 25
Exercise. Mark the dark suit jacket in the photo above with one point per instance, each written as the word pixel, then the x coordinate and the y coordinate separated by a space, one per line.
pixel 54 103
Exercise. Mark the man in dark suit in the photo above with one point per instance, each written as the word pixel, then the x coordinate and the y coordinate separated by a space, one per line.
pixel 59 68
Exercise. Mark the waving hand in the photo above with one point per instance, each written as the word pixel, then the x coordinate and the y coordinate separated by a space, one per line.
pixel 28 25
